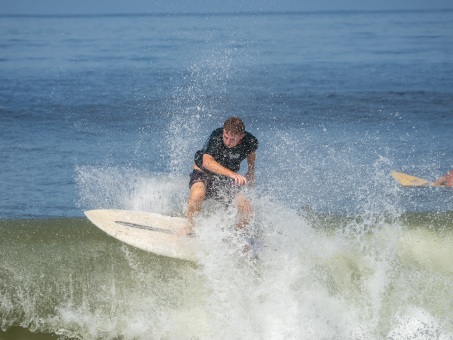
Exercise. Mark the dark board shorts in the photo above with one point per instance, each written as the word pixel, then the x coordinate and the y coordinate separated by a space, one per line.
pixel 217 187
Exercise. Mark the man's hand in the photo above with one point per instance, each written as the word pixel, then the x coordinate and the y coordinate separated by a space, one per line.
pixel 239 179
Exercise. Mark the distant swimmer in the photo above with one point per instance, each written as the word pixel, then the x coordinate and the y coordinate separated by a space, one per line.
pixel 446 179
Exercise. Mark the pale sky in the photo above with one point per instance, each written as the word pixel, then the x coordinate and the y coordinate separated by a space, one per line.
pixel 202 6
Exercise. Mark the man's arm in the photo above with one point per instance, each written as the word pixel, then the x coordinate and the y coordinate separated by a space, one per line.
pixel 446 179
pixel 251 168
pixel 212 165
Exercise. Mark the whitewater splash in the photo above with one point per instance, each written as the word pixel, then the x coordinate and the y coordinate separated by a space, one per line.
pixel 306 276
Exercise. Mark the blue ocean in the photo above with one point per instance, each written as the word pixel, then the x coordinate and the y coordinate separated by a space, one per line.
pixel 106 112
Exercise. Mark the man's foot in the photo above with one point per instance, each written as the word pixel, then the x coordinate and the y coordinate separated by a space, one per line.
pixel 185 232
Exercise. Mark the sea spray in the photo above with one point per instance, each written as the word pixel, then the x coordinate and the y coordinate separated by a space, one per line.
pixel 130 189
pixel 194 107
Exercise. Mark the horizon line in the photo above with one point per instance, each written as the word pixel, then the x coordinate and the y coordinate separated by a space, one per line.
pixel 222 13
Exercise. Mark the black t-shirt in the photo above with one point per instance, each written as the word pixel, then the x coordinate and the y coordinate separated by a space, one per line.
pixel 230 158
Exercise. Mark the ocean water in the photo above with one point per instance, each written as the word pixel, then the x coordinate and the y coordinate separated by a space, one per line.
pixel 107 112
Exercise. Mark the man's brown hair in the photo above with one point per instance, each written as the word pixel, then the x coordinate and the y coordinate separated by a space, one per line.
pixel 234 125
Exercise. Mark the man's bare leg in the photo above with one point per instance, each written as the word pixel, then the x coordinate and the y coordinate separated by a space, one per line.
pixel 196 197
pixel 245 211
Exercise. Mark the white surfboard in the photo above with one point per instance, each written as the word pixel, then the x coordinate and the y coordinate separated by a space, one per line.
pixel 148 231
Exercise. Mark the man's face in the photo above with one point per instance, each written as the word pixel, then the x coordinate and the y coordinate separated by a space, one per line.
pixel 230 140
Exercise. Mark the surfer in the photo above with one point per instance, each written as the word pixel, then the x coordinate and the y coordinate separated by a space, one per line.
pixel 446 179
pixel 215 170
